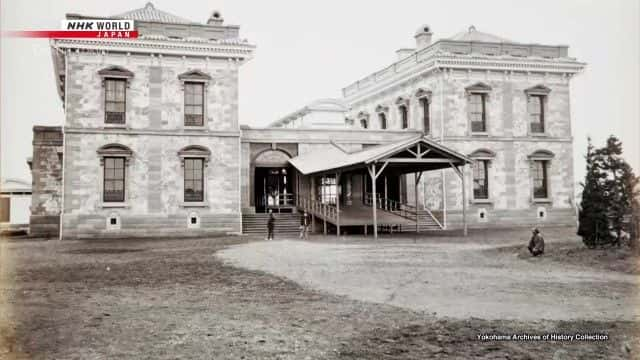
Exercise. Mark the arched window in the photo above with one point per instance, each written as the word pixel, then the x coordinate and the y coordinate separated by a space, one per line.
pixel 403 112
pixel 194 161
pixel 114 160
pixel 382 116
pixel 424 99
pixel 364 119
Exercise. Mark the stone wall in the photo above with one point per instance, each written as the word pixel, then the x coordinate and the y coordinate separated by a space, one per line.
pixel 46 174
pixel 154 132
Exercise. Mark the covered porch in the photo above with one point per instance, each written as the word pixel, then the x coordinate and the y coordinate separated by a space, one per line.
pixel 366 188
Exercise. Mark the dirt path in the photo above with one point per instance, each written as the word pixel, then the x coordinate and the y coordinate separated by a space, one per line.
pixel 458 280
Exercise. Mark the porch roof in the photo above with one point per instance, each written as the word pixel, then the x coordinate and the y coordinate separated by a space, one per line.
pixel 413 154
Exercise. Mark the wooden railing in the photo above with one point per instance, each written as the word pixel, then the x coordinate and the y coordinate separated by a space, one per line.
pixel 317 208
pixel 279 200
pixel 405 210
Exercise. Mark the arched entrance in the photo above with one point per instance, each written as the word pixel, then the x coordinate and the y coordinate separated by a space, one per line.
pixel 273 182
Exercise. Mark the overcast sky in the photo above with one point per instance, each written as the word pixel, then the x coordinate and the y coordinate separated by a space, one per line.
pixel 311 49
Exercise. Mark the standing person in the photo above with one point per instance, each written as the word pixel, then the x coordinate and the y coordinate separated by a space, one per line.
pixel 304 225
pixel 536 244
pixel 270 225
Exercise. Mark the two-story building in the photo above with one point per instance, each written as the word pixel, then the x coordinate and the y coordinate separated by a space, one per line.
pixel 152 144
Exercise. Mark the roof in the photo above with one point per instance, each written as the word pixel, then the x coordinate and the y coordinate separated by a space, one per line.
pixel 12 185
pixel 474 35
pixel 151 14
pixel 320 105
pixel 335 158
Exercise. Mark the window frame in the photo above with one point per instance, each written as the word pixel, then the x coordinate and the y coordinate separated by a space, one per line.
pixel 424 103
pixel 190 77
pixel 115 73
pixel 483 90
pixel 114 180
pixel 488 157
pixel 546 157
pixel 544 166
pixel 187 85
pixel 383 117
pixel 115 80
pixel 115 150
pixel 185 179
pixel 195 152
pixel 541 92
pixel 485 177
pixel 403 110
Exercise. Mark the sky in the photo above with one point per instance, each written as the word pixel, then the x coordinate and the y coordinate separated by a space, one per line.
pixel 312 49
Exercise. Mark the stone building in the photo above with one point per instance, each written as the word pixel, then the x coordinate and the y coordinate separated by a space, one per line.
pixel 153 145
pixel 46 175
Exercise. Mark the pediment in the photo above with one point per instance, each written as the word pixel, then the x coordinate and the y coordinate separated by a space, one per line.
pixel 115 71
pixel 194 75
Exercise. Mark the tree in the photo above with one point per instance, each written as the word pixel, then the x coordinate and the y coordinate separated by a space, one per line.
pixel 610 195
pixel 593 214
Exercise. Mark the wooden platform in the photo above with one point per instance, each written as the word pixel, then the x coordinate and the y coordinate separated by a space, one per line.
pixel 354 215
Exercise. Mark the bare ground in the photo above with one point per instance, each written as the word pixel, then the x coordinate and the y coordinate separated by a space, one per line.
pixel 174 298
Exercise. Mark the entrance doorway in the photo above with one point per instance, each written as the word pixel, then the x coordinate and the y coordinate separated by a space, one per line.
pixel 274 189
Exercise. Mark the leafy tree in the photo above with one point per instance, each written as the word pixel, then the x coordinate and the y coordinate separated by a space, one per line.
pixel 593 214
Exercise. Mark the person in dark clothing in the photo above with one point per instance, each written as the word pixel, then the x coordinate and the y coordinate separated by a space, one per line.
pixel 304 225
pixel 270 225
pixel 536 244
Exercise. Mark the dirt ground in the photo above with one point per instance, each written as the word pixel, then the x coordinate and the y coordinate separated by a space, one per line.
pixel 177 298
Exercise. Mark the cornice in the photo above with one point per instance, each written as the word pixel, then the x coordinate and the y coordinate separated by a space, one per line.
pixel 226 49
pixel 442 61
pixel 120 131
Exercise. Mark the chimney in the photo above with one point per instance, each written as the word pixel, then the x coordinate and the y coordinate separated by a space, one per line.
pixel 215 19
pixel 403 53
pixel 423 37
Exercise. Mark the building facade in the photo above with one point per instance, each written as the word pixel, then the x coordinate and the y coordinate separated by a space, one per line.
pixel 153 145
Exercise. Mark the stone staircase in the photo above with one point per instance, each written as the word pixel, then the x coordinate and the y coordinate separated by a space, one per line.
pixel 256 224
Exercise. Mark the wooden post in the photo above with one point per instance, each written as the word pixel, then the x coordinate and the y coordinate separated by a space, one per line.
pixel 417 177
pixel 464 200
pixel 312 185
pixel 338 193
pixel 374 200
pixel 386 194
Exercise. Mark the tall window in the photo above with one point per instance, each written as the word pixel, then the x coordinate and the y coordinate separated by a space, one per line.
pixel 193 104
pixel 536 113
pixel 383 120
pixel 363 123
pixel 540 190
pixel 480 179
pixel 424 104
pixel 404 116
pixel 113 179
pixel 328 189
pixel 115 101
pixel 193 179
pixel 477 112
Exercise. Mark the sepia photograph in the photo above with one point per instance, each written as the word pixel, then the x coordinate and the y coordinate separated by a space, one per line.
pixel 419 179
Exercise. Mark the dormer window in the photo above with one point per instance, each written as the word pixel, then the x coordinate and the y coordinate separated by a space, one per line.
pixel 195 88
pixel 115 81
pixel 478 95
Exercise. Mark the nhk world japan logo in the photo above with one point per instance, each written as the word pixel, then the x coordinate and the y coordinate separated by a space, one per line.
pixel 86 28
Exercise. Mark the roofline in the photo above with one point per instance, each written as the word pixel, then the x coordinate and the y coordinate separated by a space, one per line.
pixel 80 16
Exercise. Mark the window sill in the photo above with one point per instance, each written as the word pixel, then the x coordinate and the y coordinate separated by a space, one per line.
pixel 481 201
pixel 538 134
pixel 194 127
pixel 542 201
pixel 188 204
pixel 480 134
pixel 112 205
pixel 116 126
